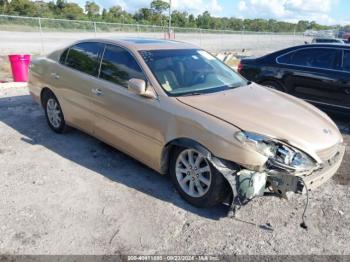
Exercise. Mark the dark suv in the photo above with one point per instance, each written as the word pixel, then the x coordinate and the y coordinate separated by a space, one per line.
pixel 318 73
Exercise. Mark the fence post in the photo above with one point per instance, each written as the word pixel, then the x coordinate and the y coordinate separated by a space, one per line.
pixel 200 37
pixel 41 36
pixel 242 33
pixel 95 29
pixel 222 41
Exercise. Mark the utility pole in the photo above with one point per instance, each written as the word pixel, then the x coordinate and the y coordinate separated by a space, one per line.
pixel 169 30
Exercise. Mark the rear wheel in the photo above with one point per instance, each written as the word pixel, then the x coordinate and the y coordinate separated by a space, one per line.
pixel 197 181
pixel 274 85
pixel 53 112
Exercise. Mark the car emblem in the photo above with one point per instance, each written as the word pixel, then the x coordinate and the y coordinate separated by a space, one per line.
pixel 327 131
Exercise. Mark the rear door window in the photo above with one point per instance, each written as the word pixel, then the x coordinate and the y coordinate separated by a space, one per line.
pixel 64 56
pixel 313 57
pixel 346 61
pixel 84 57
pixel 119 66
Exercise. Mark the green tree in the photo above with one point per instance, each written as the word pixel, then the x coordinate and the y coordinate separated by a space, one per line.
pixel 144 15
pixel 159 6
pixel 43 9
pixel 72 11
pixel 204 20
pixel 104 14
pixel 92 9
pixel 116 14
pixel 60 4
pixel 179 19
pixel 21 7
pixel 155 14
pixel 3 6
pixel 191 21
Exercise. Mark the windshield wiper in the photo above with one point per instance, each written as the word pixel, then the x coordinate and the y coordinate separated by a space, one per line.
pixel 192 94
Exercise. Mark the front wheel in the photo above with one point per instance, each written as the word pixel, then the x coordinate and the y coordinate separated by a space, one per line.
pixel 197 181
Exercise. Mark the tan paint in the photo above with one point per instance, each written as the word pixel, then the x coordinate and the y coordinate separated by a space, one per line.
pixel 142 127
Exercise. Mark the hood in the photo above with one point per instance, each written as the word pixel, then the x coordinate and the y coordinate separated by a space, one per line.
pixel 272 113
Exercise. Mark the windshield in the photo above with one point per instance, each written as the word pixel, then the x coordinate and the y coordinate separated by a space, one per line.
pixel 184 72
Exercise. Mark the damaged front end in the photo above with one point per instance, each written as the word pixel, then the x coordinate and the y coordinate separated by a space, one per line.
pixel 286 169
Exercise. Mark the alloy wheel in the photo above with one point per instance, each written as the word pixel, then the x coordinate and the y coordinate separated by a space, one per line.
pixel 193 173
pixel 53 113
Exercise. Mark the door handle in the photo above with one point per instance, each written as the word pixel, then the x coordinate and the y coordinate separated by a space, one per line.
pixel 55 76
pixel 96 91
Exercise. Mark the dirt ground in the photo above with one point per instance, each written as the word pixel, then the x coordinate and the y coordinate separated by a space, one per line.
pixel 72 194
pixel 5 69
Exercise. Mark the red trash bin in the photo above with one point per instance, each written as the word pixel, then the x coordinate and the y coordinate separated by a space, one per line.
pixel 20 67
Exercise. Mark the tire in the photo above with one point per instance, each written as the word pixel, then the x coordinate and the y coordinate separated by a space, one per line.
pixel 214 192
pixel 274 85
pixel 53 112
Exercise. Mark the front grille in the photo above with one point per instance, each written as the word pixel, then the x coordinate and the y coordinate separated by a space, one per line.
pixel 328 153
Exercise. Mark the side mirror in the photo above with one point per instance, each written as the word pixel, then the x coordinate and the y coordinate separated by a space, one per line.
pixel 138 86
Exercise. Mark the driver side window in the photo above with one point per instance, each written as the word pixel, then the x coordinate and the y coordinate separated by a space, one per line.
pixel 119 66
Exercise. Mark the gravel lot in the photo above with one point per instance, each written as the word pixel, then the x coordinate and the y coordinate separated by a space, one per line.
pixel 72 194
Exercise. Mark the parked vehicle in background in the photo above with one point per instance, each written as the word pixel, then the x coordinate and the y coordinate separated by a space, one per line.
pixel 346 36
pixel 327 40
pixel 318 73
pixel 310 33
pixel 181 111
pixel 326 34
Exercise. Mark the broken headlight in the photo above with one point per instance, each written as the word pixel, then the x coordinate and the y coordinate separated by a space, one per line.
pixel 276 151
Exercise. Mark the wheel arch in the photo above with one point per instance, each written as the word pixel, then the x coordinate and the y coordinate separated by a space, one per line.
pixel 45 90
pixel 272 79
pixel 221 165
pixel 180 142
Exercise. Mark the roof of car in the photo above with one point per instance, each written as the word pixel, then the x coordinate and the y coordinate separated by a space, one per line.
pixel 140 43
pixel 294 48
pixel 340 45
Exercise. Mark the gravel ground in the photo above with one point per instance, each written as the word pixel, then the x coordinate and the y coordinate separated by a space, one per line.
pixel 5 69
pixel 72 194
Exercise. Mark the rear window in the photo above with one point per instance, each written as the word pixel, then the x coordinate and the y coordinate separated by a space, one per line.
pixel 312 57
pixel 84 57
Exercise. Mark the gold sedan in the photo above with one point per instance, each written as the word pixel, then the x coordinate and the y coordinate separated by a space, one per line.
pixel 181 111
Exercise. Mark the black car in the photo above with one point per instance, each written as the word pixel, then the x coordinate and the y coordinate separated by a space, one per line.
pixel 320 40
pixel 318 73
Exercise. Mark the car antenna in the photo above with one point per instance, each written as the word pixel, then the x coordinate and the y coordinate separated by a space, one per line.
pixel 303 223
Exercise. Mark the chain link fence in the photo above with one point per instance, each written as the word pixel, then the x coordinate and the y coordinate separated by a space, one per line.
pixel 43 35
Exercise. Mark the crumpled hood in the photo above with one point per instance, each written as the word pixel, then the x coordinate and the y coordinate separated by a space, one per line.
pixel 268 112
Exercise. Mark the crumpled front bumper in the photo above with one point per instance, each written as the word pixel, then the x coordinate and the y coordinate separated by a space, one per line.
pixel 282 182
pixel 328 169
pixel 274 178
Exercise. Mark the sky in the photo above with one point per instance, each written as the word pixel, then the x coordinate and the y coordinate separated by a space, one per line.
pixel 326 12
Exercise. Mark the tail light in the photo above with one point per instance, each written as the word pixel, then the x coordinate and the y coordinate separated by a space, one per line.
pixel 239 67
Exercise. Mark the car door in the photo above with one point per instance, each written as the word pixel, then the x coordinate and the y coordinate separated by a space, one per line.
pixel 75 77
pixel 126 120
pixel 310 73
pixel 344 79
